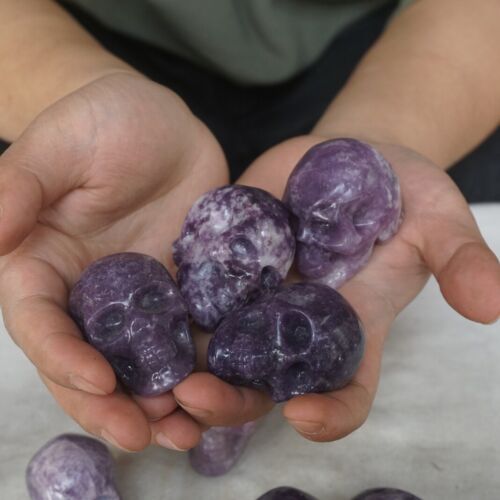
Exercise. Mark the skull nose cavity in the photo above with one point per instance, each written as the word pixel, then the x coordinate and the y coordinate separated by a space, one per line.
pixel 243 248
pixel 295 331
pixel 153 343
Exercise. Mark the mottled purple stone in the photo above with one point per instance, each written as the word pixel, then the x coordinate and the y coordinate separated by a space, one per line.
pixel 345 198
pixel 286 493
pixel 71 467
pixel 305 338
pixel 220 448
pixel 236 243
pixel 385 494
pixel 130 310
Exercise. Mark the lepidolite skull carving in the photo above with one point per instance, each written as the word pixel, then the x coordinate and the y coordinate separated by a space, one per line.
pixel 236 241
pixel 345 198
pixel 131 311
pixel 71 467
pixel 304 338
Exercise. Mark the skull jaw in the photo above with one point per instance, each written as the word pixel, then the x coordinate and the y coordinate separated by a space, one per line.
pixel 329 268
pixel 150 380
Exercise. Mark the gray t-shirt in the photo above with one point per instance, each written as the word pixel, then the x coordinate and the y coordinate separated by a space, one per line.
pixel 248 41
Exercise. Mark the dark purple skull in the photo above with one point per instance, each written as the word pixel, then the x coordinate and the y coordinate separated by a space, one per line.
pixel 345 198
pixel 131 311
pixel 304 338
pixel 286 493
pixel 236 242
pixel 71 467
pixel 220 448
pixel 385 494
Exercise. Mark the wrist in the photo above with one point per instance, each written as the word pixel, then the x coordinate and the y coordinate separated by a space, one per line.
pixel 44 55
pixel 67 70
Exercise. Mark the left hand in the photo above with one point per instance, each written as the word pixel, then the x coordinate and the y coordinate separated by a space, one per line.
pixel 438 235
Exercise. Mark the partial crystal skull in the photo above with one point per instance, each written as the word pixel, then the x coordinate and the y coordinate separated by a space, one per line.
pixel 220 448
pixel 345 198
pixel 130 309
pixel 385 494
pixel 71 467
pixel 286 493
pixel 305 338
pixel 236 242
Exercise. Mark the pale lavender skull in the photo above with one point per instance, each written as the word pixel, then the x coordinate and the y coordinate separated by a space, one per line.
pixel 130 310
pixel 305 338
pixel 220 448
pixel 236 242
pixel 345 198
pixel 71 467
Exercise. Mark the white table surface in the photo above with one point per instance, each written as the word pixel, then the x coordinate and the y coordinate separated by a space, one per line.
pixel 434 428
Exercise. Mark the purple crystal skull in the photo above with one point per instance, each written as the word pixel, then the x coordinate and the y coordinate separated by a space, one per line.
pixel 71 467
pixel 130 310
pixel 304 338
pixel 220 448
pixel 385 494
pixel 286 493
pixel 236 241
pixel 345 198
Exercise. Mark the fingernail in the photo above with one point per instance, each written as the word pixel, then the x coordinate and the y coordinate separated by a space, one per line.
pixel 163 440
pixel 311 428
pixel 196 412
pixel 84 385
pixel 110 439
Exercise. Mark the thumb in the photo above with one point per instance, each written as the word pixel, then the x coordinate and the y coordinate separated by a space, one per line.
pixel 467 271
pixel 35 171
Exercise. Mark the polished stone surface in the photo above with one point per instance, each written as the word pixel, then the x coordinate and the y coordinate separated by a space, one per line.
pixel 304 338
pixel 345 198
pixel 220 448
pixel 71 467
pixel 236 242
pixel 130 309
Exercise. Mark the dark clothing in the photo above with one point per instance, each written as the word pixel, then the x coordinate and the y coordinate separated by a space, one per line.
pixel 247 120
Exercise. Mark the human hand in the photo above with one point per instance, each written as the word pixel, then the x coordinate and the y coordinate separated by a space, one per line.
pixel 438 235
pixel 112 167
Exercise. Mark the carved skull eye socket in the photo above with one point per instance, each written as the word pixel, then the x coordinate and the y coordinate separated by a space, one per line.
pixel 153 299
pixel 296 332
pixel 109 324
pixel 243 248
pixel 321 229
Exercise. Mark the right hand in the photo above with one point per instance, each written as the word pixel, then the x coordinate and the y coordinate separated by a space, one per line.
pixel 112 167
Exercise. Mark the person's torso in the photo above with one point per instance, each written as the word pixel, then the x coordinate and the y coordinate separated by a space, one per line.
pixel 249 41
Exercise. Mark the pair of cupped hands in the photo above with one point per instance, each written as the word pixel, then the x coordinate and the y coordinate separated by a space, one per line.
pixel 114 167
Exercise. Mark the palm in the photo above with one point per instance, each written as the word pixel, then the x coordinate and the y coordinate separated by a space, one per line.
pixel 111 168
pixel 438 234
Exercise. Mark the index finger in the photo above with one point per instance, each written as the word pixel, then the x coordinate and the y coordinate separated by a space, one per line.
pixel 33 298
